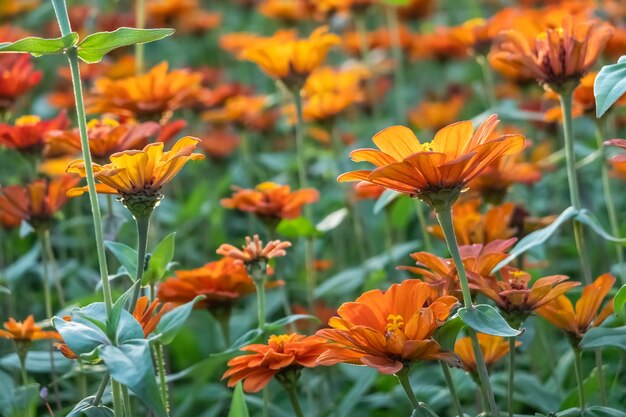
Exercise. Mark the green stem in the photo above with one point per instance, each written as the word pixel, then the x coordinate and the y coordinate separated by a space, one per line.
pixel 140 22
pixel 450 383
pixel 601 382
pixel 570 158
pixel 300 150
pixel 46 277
pixel 511 375
pixel 22 352
pixel 421 218
pixel 101 388
pixel 490 89
pixel 391 14
pixel 266 402
pixel 128 412
pixel 445 220
pixel 259 279
pixel 579 379
pixel 47 247
pixel 159 356
pixel 359 22
pixel 403 378
pixel 143 224
pixel 293 398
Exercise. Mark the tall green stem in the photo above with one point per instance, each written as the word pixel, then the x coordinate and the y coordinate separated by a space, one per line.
pixel 601 382
pixel 47 248
pixel 391 14
pixel 511 387
pixel 101 388
pixel 445 220
pixel 293 398
pixel 421 218
pixel 143 224
pixel 46 277
pixel 579 379
pixel 359 22
pixel 159 358
pixel 450 383
pixel 574 191
pixel 259 277
pixel 403 378
pixel 490 89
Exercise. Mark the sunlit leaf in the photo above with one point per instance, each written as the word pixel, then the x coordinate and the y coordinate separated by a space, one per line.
pixel 40 46
pixel 238 407
pixel 94 47
pixel 386 198
pixel 333 220
pixel 126 255
pixel 619 300
pixel 159 260
pixel 610 85
pixel 485 319
pixel 296 228
pixel 587 218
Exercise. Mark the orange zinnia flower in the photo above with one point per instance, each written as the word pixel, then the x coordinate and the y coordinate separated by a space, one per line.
pixel 271 201
pixel 618 162
pixel 246 112
pixel 26 331
pixel 145 312
pixel 150 96
pixel 436 114
pixel 388 330
pixel 17 77
pixel 436 171
pixel 440 45
pixel 37 203
pixel 223 282
pixel 576 321
pixel 558 58
pixel 291 61
pixel 288 11
pixel 493 349
pixel 138 176
pixel 28 132
pixel 282 354
pixel 220 142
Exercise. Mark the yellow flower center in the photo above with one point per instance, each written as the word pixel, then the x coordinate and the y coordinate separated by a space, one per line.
pixel 279 340
pixel 472 23
pixel 28 120
pixel 427 146
pixel 104 122
pixel 394 322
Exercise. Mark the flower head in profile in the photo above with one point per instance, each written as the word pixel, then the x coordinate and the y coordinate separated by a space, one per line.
pixel 17 77
pixel 151 96
pixel 577 320
pixel 493 349
pixel 244 111
pixel 137 176
pixel 437 113
pixel 436 171
pixel 26 332
pixel 28 132
pixel 283 355
pixel 148 314
pixel 291 61
pixel 36 203
pixel 287 11
pixel 254 251
pixel 557 58
pixel 388 330
pixel 271 201
pixel 618 162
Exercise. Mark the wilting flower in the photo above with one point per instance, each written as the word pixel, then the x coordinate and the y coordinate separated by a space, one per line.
pixel 222 282
pixel 576 321
pixel 283 354
pixel 271 201
pixel 388 330
pixel 618 162
pixel 493 349
pixel 28 132
pixel 291 61
pixel 36 203
pixel 436 114
pixel 137 176
pixel 254 251
pixel 514 294
pixel 149 97
pixel 17 77
pixel 148 314
pixel 25 332
pixel 557 58
pixel 436 171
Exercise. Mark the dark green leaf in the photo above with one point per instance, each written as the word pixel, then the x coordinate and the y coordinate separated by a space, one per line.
pixel 600 411
pixel 536 238
pixel 385 199
pixel 238 407
pixel 159 259
pixel 20 402
pixel 295 228
pixel 128 328
pixel 619 300
pixel 85 409
pixel 485 319
pixel 585 217
pixel 40 46
pixel 80 337
pixel 598 337
pixel 446 335
pixel 610 85
pixel 172 321
pixel 126 255
pixel 94 47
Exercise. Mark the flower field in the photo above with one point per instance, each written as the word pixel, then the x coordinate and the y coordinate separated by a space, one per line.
pixel 312 208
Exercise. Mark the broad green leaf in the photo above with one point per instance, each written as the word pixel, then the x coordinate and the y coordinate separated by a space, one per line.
pixel 598 337
pixel 40 46
pixel 485 319
pixel 238 407
pixel 128 328
pixel 601 411
pixel 295 228
pixel 333 220
pixel 131 364
pixel 113 319
pixel 126 255
pixel 94 47
pixel 385 199
pixel 20 402
pixel 619 300
pixel 85 409
pixel 446 335
pixel 279 324
pixel 38 362
pixel 609 86
pixel 159 259
pixel 536 238
pixel 585 217
pixel 172 321
pixel 80 337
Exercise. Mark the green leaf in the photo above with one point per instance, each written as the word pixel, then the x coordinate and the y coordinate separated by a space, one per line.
pixel 40 46
pixel 238 407
pixel 598 337
pixel 485 319
pixel 38 362
pixel 446 335
pixel 80 337
pixel 536 238
pixel 172 321
pixel 600 411
pixel 333 220
pixel 159 260
pixel 279 324
pixel 131 364
pixel 610 85
pixel 396 2
pixel 21 402
pixel 295 228
pixel 126 255
pixel 385 199
pixel 619 300
pixel 587 218
pixel 85 409
pixel 94 47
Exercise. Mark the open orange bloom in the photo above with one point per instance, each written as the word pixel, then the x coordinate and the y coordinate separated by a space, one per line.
pixel 223 282
pixel 17 77
pixel 514 294
pixel 291 61
pixel 388 330
pixel 28 132
pixel 618 162
pixel 246 112
pixel 282 354
pixel 493 349
pixel 137 176
pixel 237 42
pixel 436 171
pixel 26 331
pixel 436 114
pixel 288 11
pixel 439 45
pixel 557 58
pixel 577 321
pixel 148 97
pixel 145 312
pixel 36 203
pixel 271 201
pixel 220 142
